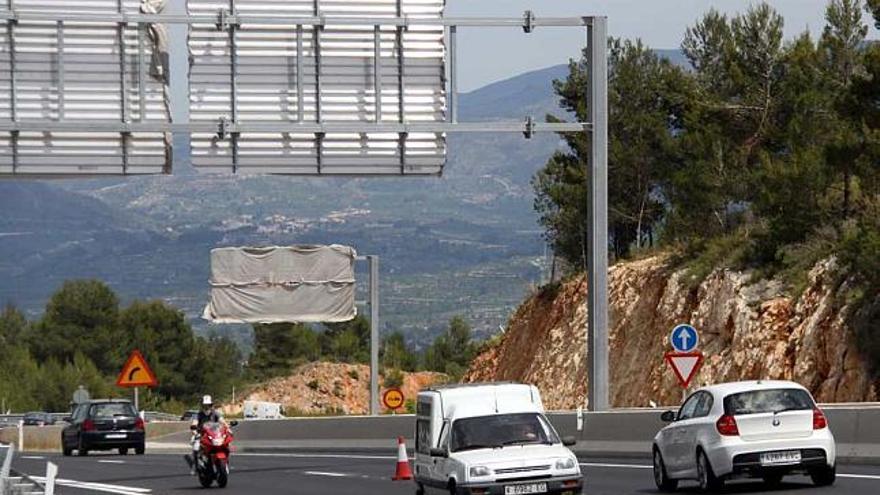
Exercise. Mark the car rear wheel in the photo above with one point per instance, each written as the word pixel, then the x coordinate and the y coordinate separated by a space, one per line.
pixel 664 484
pixel 824 476
pixel 705 475
pixel 139 450
pixel 81 450
pixel 67 451
pixel 123 451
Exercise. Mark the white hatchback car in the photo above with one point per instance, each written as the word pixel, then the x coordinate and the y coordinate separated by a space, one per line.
pixel 763 429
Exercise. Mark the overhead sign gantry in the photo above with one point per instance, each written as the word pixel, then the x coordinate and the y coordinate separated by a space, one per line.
pixel 299 87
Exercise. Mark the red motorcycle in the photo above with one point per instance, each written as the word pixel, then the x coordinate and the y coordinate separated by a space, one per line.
pixel 212 462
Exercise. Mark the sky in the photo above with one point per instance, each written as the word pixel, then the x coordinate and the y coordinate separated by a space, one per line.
pixel 488 55
pixel 495 54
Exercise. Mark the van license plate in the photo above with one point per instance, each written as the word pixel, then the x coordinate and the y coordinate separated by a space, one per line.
pixel 115 435
pixel 525 489
pixel 776 458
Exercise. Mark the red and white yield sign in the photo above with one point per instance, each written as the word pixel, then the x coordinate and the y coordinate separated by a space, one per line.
pixel 685 365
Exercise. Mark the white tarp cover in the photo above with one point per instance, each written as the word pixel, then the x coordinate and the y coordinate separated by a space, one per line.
pixel 75 72
pixel 282 284
pixel 336 85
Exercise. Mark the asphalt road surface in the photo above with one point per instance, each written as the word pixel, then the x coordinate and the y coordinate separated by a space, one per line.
pixel 343 474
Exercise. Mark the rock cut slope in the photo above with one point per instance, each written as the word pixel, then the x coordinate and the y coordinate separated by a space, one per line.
pixel 749 330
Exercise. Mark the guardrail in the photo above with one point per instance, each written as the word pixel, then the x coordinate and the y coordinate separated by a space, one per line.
pixel 12 483
pixel 624 433
pixel 13 419
pixel 6 453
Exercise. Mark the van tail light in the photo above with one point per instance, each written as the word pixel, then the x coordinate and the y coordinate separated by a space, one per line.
pixel 819 421
pixel 726 426
pixel 139 424
pixel 88 425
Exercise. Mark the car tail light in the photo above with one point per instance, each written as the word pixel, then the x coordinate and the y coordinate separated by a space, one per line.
pixel 726 426
pixel 139 424
pixel 88 425
pixel 819 421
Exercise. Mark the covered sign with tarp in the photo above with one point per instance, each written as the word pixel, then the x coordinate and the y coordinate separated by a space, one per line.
pixel 77 97
pixel 282 284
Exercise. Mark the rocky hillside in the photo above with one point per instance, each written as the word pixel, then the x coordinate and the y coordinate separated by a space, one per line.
pixel 749 330
pixel 329 388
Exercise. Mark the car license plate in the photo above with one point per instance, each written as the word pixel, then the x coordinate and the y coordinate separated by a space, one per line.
pixel 115 435
pixel 775 458
pixel 525 489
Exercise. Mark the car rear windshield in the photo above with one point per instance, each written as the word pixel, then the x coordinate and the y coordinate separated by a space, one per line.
pixel 768 401
pixel 111 409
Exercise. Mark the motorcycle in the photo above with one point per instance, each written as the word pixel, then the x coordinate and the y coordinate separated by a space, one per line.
pixel 212 461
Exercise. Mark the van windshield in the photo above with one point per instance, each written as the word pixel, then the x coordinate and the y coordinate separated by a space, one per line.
pixel 488 432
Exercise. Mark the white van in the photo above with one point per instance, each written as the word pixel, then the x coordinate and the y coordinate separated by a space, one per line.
pixel 262 410
pixel 491 439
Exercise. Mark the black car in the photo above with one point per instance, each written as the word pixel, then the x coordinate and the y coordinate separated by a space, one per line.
pixel 189 415
pixel 103 425
pixel 38 419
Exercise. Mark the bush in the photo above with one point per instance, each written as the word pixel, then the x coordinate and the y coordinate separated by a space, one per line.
pixel 393 379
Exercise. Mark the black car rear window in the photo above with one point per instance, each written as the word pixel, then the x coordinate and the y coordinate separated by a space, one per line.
pixel 767 401
pixel 110 410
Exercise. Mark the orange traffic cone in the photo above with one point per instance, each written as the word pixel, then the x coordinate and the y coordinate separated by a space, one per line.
pixel 403 470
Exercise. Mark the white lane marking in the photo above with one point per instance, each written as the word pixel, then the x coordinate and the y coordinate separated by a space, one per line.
pixel 320 456
pixel 325 473
pixel 640 466
pixel 615 466
pixel 111 462
pixel 98 487
pixel 33 457
pixel 859 476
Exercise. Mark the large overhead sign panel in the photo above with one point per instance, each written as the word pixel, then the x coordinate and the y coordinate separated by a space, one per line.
pixel 73 92
pixel 282 284
pixel 308 91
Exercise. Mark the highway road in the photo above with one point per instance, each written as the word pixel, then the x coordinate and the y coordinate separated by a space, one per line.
pixel 342 474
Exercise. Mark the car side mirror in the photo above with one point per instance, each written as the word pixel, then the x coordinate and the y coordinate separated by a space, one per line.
pixel 569 441
pixel 439 453
pixel 668 417
pixel 233 423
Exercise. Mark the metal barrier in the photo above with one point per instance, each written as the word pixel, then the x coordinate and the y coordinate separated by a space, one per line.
pixel 6 453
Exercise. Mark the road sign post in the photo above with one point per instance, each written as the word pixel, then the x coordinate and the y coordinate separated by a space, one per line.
pixel 597 221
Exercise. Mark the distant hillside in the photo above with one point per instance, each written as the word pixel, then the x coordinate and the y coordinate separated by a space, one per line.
pixel 467 244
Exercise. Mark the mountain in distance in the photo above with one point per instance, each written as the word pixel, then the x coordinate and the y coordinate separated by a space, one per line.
pixel 465 244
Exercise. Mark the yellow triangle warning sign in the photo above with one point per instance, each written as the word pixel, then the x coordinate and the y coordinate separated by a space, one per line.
pixel 136 372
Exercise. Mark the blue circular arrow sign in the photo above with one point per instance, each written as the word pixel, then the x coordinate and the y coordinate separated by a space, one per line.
pixel 684 338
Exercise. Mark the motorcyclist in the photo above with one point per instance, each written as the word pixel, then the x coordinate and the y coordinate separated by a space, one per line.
pixel 207 414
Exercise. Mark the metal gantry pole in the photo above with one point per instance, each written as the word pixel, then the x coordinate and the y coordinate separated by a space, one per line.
pixel 374 335
pixel 597 212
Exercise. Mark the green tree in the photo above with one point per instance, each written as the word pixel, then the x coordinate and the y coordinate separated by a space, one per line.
pixel 13 326
pixel 396 354
pixel 278 348
pixel 83 316
pixel 453 351
pixel 645 96
pixel 347 342
pixel 842 51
